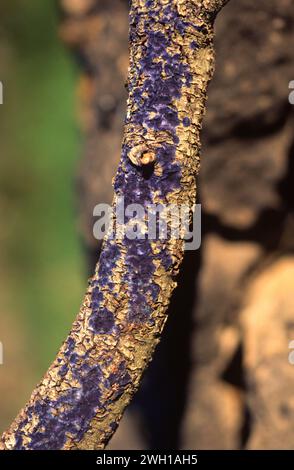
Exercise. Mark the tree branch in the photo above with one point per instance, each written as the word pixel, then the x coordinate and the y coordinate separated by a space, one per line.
pixel 81 399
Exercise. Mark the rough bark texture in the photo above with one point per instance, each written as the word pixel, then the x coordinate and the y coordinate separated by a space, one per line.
pixel 209 385
pixel 80 401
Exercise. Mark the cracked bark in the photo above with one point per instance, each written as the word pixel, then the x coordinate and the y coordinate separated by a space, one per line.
pixel 80 401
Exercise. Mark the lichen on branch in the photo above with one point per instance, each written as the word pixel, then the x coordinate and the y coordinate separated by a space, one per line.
pixel 80 401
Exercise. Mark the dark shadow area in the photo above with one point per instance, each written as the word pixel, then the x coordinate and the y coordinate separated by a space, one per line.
pixel 285 187
pixel 235 375
pixel 266 231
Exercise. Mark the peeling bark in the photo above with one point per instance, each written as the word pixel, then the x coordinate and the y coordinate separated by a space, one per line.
pixel 81 399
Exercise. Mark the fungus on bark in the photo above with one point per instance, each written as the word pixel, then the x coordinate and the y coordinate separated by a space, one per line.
pixel 80 401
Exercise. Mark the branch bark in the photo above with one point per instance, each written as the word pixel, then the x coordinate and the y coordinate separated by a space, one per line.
pixel 80 401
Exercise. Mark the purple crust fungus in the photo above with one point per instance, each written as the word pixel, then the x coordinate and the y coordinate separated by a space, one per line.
pixel 80 400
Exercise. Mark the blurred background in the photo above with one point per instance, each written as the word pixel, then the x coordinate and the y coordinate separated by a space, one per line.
pixel 221 377
pixel 42 273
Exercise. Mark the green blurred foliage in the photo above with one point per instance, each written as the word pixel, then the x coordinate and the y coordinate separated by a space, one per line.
pixel 40 254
